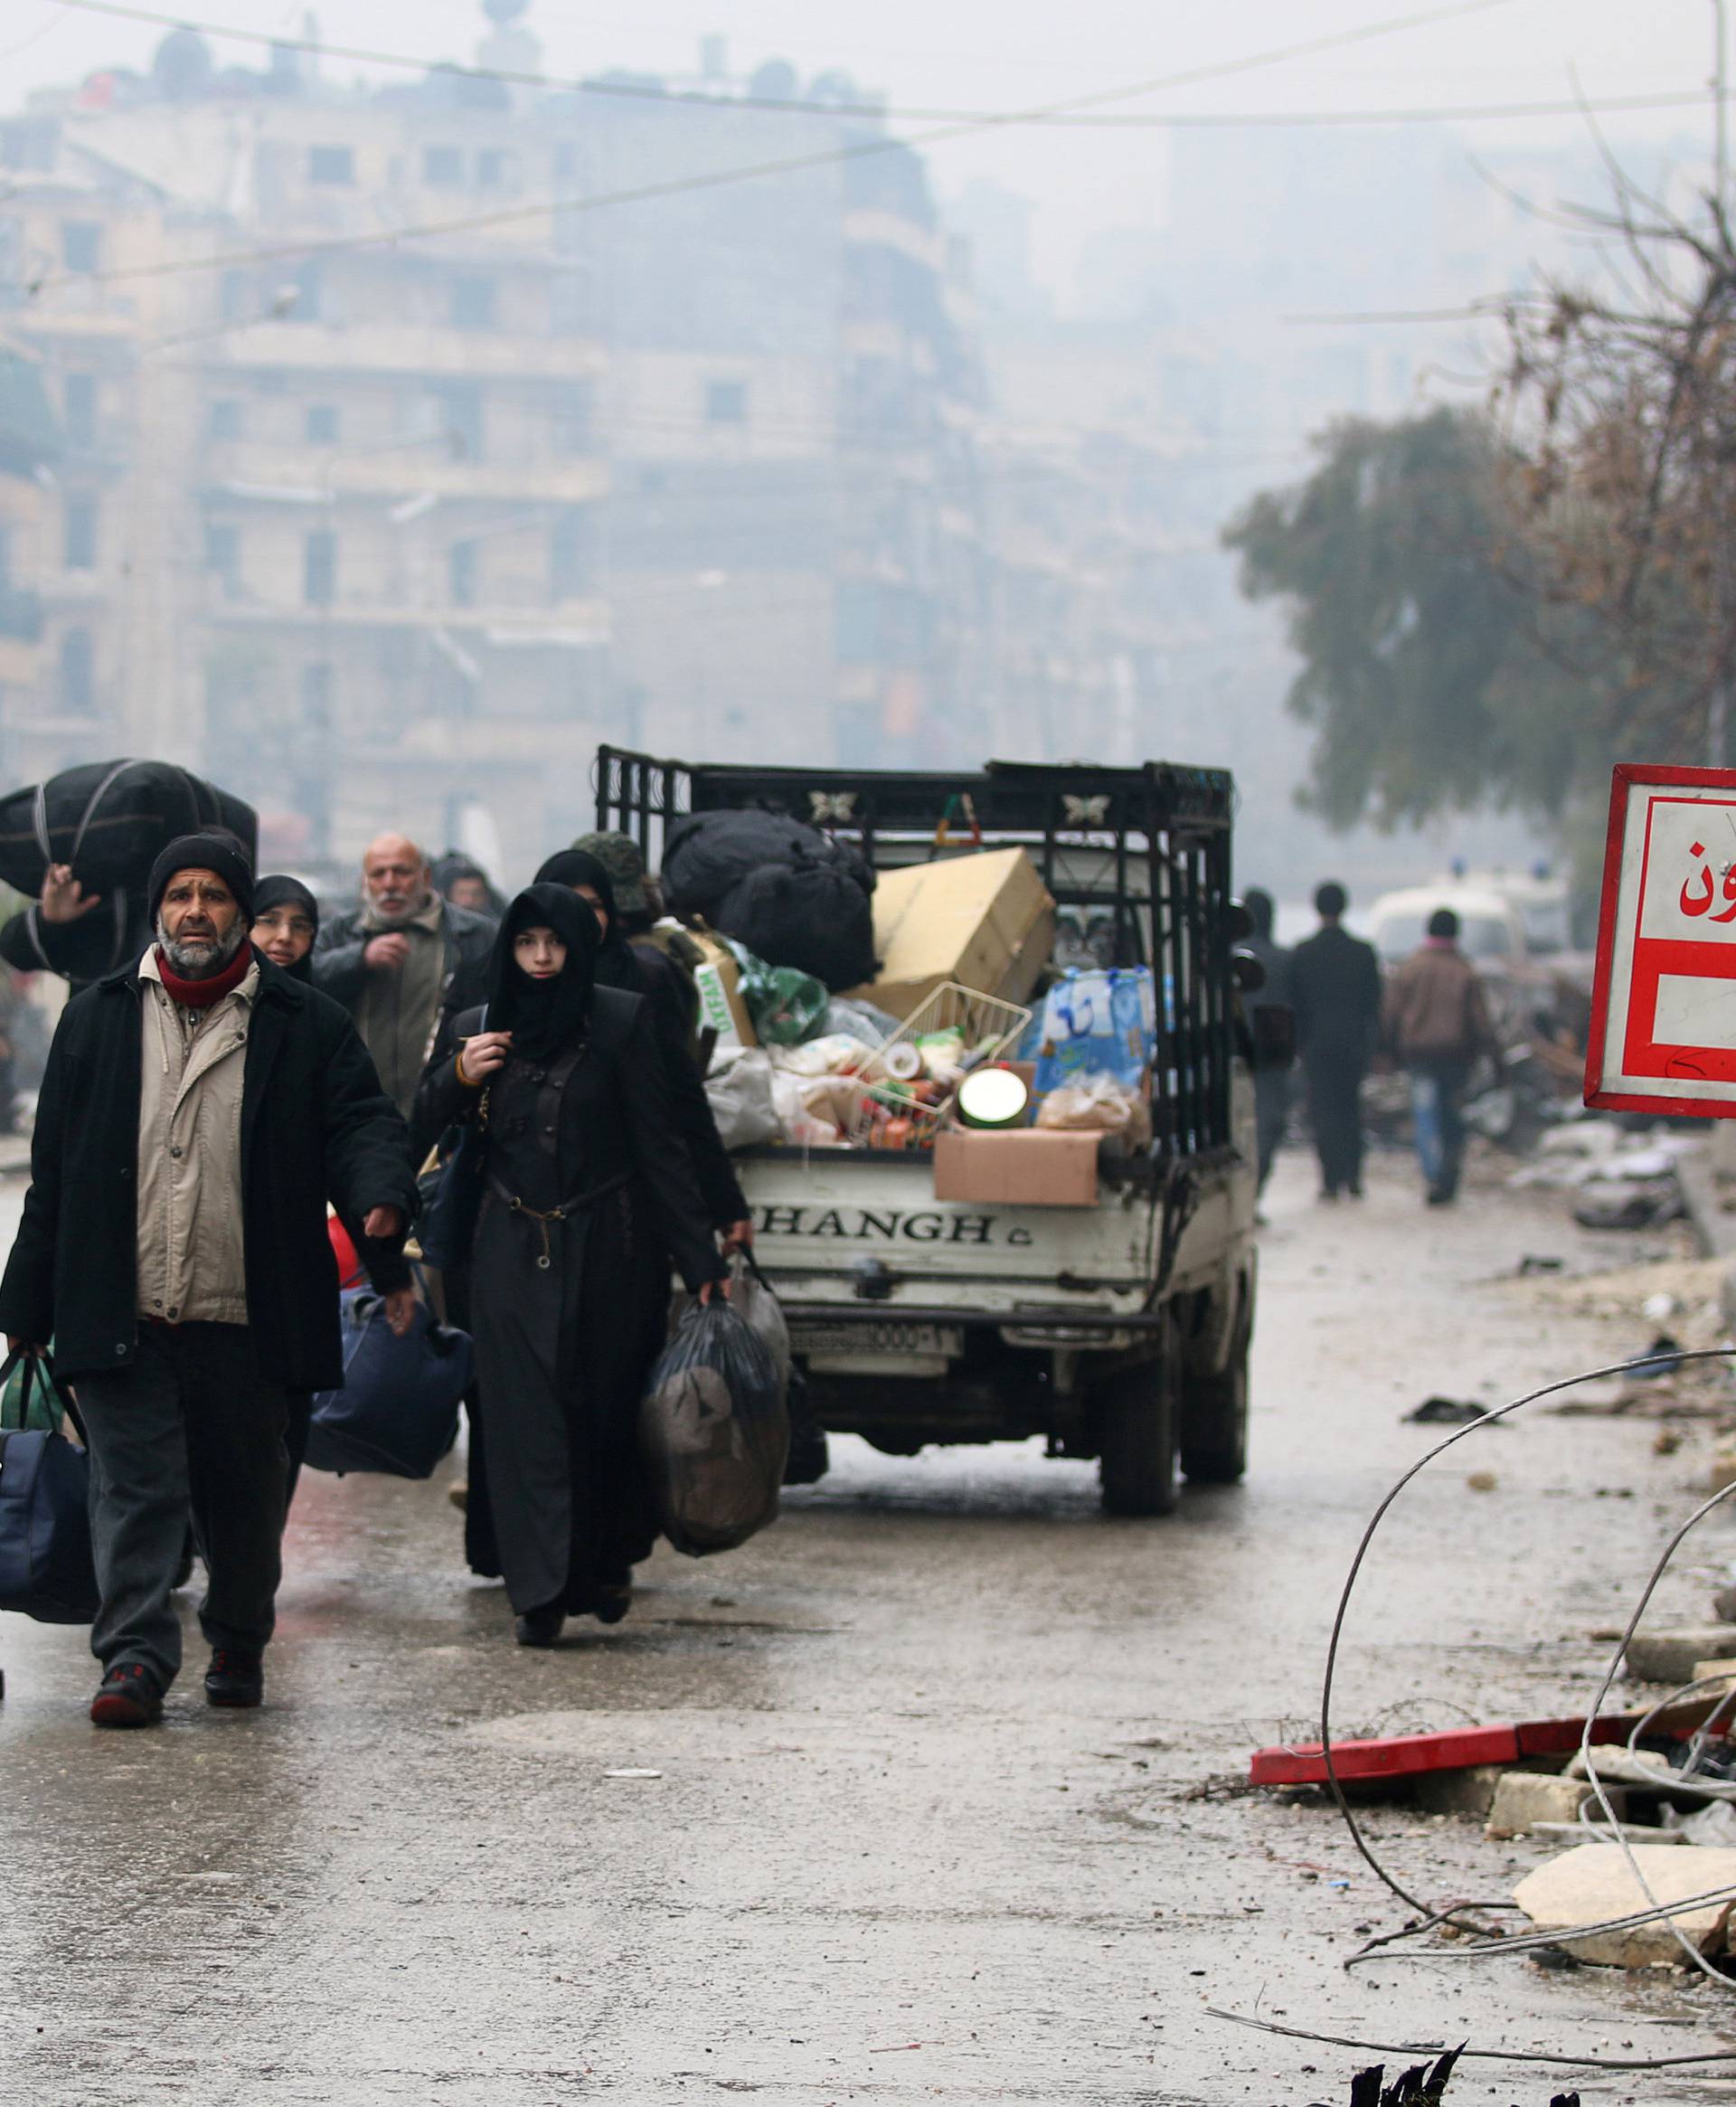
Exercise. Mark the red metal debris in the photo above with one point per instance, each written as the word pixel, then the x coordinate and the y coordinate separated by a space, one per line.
pixel 1460 1748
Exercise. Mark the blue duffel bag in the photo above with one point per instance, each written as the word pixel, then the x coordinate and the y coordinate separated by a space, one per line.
pixel 46 1570
pixel 398 1411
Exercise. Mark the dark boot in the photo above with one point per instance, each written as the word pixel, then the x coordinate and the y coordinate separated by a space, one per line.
pixel 128 1698
pixel 540 1627
pixel 235 1679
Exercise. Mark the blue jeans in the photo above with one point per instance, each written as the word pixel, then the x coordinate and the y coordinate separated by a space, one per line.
pixel 1437 1088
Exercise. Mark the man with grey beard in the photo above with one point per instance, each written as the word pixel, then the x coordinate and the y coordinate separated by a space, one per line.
pixel 198 1111
pixel 401 962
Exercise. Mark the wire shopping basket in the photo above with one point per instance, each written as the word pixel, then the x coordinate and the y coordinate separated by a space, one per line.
pixel 908 1082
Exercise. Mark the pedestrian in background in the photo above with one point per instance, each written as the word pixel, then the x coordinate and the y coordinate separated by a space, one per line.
pixel 639 916
pixel 1271 1084
pixel 465 883
pixel 587 1191
pixel 401 963
pixel 1336 980
pixel 1436 1024
pixel 286 922
pixel 197 1110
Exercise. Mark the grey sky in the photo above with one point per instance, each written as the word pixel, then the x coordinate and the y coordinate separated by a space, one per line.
pixel 1014 54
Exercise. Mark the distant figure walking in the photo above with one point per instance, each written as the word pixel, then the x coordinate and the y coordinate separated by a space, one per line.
pixel 1336 980
pixel 1272 1086
pixel 1436 1022
pixel 403 964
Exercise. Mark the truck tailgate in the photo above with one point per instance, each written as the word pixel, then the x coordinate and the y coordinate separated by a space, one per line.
pixel 820 1217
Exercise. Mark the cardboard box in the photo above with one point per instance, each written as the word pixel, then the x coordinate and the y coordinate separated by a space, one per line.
pixel 720 1007
pixel 1019 1166
pixel 985 920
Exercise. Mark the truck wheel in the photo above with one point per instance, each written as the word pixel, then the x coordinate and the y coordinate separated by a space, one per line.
pixel 1136 1430
pixel 1214 1417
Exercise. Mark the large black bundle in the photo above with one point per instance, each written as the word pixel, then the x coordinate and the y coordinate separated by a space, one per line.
pixel 816 917
pixel 706 857
pixel 108 819
pixel 793 896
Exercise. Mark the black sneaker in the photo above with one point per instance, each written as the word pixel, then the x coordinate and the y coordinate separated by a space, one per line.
pixel 128 1698
pixel 540 1626
pixel 235 1679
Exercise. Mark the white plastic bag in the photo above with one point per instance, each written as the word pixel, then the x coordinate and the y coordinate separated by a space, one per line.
pixel 801 1120
pixel 1100 1104
pixel 739 1090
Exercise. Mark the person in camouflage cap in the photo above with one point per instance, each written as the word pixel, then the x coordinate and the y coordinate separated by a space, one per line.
pixel 641 907
pixel 621 856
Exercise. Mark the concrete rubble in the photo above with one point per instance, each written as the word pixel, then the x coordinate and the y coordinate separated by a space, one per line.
pixel 1596 1882
pixel 1523 1799
pixel 1674 1657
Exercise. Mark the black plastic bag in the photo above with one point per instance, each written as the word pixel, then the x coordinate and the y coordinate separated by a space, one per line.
pixel 714 1430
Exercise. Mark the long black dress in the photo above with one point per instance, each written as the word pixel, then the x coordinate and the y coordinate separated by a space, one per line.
pixel 568 1314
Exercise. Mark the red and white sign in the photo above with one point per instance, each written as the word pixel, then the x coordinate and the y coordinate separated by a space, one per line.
pixel 1664 1002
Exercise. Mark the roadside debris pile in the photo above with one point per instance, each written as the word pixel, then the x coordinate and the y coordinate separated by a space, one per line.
pixel 1645 1810
pixel 1621 1180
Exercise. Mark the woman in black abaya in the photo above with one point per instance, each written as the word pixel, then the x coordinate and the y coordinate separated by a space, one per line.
pixel 587 1191
pixel 641 970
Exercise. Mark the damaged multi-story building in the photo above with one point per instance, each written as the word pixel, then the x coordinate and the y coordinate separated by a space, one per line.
pixel 419 436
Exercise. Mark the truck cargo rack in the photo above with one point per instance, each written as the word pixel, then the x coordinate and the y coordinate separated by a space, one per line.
pixel 1148 846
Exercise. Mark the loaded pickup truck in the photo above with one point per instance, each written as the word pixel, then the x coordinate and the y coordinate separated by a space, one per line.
pixel 1117 1330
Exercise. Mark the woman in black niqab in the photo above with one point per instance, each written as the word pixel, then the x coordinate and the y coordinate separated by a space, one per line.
pixel 587 1191
pixel 544 1016
pixel 642 970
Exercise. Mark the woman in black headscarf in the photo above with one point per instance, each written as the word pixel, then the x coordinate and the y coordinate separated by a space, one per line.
pixel 285 921
pixel 640 970
pixel 586 1191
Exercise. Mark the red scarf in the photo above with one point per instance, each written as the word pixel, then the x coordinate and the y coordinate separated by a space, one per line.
pixel 202 994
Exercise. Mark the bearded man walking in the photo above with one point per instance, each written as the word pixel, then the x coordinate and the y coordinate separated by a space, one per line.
pixel 402 962
pixel 197 1112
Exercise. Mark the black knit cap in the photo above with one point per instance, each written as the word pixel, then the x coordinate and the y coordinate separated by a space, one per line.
pixel 221 852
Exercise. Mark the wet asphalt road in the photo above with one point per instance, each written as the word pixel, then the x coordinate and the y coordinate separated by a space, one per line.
pixel 919 1828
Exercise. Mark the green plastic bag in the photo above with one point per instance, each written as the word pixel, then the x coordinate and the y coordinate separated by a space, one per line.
pixel 786 1006
pixel 42 1415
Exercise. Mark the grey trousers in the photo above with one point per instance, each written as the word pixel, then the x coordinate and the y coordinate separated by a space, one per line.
pixel 190 1423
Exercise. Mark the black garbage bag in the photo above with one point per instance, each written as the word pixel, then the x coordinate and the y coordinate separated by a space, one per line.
pixel 812 915
pixel 706 857
pixel 108 819
pixel 714 1430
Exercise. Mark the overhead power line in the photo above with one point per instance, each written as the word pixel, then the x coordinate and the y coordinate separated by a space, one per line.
pixel 855 150
pixel 800 106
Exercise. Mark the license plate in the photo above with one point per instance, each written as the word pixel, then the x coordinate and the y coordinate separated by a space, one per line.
pixel 884 1335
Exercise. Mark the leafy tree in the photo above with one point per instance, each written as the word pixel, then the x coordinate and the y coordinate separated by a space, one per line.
pixel 1439 672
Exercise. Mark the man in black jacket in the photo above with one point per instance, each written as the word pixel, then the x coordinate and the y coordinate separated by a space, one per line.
pixel 197 1112
pixel 1336 980
pixel 403 964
